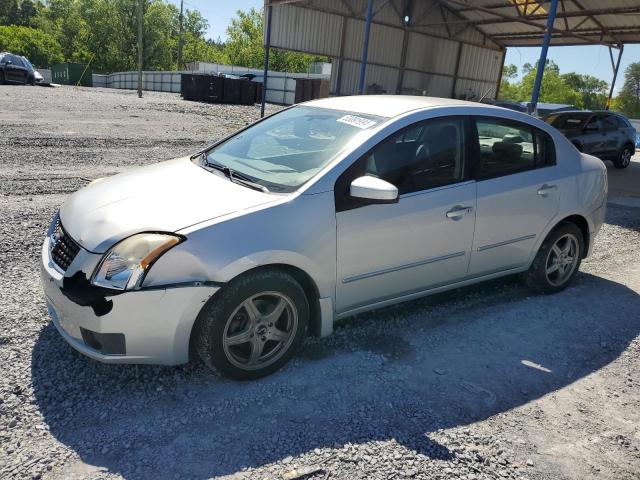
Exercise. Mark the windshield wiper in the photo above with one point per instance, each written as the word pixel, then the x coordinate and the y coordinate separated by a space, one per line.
pixel 234 176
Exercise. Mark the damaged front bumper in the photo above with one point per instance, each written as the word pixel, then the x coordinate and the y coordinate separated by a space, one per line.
pixel 142 326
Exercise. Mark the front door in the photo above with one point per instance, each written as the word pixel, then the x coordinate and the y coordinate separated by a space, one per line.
pixel 517 194
pixel 14 71
pixel 422 241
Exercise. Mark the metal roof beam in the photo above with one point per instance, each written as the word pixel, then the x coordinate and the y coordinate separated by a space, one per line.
pixel 519 20
pixel 498 6
pixel 543 16
pixel 585 32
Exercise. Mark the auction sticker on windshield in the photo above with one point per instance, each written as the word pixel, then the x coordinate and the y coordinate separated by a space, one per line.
pixel 356 121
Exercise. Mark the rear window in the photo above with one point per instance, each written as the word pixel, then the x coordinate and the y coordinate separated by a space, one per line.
pixel 568 121
pixel 621 121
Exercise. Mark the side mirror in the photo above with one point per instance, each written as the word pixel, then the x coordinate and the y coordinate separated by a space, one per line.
pixel 374 189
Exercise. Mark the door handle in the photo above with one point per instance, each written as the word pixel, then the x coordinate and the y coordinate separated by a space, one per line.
pixel 458 212
pixel 545 189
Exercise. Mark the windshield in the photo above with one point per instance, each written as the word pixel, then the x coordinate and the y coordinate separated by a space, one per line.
pixel 285 150
pixel 27 63
pixel 569 121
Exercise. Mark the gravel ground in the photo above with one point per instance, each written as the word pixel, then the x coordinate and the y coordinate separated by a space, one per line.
pixel 488 382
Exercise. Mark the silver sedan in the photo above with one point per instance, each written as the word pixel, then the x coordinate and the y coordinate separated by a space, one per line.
pixel 318 212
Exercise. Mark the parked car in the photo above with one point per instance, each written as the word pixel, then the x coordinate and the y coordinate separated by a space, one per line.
pixel 318 212
pixel 517 106
pixel 13 69
pixel 546 109
pixel 34 75
pixel 606 135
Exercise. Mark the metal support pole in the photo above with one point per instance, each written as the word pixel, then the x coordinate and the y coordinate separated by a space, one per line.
pixel 543 54
pixel 365 47
pixel 499 82
pixel 267 44
pixel 343 39
pixel 403 60
pixel 140 19
pixel 454 85
pixel 615 76
pixel 180 35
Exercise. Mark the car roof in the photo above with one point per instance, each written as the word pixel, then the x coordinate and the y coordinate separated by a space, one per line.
pixel 389 105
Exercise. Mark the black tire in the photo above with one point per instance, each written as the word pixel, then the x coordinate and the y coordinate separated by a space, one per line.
pixel 226 307
pixel 624 157
pixel 537 277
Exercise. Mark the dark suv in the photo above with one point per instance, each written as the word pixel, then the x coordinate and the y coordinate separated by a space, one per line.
pixel 13 69
pixel 605 135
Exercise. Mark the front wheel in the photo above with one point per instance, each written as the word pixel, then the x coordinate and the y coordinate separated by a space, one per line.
pixel 253 326
pixel 557 261
pixel 624 158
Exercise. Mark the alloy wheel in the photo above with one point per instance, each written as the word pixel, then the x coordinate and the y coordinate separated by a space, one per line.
pixel 626 157
pixel 562 259
pixel 260 330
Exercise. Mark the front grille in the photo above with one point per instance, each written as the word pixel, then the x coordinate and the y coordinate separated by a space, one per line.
pixel 63 248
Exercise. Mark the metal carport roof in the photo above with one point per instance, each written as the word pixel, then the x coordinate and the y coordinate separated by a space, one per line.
pixel 523 22
pixel 506 23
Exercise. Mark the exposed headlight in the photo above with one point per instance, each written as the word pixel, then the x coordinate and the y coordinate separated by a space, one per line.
pixel 125 265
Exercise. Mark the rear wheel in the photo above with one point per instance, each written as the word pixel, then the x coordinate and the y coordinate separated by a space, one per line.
pixel 253 326
pixel 624 157
pixel 557 261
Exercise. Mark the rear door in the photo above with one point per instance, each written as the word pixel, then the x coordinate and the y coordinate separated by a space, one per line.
pixel 594 139
pixel 517 193
pixel 612 138
pixel 423 240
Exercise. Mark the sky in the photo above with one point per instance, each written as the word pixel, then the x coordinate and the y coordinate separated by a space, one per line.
pixel 219 12
pixel 590 60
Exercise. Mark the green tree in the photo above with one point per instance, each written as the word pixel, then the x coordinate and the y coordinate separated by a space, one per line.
pixel 245 46
pixel 41 48
pixel 26 13
pixel 9 12
pixel 105 32
pixel 582 91
pixel 509 89
pixel 593 90
pixel 628 102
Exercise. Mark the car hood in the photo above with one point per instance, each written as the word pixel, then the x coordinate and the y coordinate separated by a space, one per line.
pixel 164 197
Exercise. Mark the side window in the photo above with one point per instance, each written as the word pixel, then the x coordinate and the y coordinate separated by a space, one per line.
pixel 427 155
pixel 15 60
pixel 610 122
pixel 508 147
pixel 595 123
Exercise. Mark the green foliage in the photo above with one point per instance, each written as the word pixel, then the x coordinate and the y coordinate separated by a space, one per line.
pixel 245 47
pixel 39 47
pixel 628 102
pixel 105 33
pixel 582 91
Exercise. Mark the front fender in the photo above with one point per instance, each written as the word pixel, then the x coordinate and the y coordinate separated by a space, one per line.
pixel 300 233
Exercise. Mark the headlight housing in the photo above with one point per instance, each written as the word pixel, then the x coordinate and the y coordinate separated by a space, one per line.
pixel 125 265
